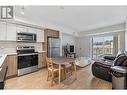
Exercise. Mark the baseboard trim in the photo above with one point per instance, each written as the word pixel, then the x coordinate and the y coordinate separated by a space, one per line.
pixel 8 77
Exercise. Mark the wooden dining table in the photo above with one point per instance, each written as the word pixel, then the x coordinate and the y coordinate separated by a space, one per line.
pixel 64 61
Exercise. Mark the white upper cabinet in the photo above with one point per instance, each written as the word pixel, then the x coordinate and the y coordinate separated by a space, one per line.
pixel 11 32
pixel 32 30
pixel 40 36
pixel 38 32
pixel 20 28
pixel 8 31
pixel 3 31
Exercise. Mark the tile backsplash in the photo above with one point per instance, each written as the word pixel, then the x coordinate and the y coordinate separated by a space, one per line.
pixel 10 47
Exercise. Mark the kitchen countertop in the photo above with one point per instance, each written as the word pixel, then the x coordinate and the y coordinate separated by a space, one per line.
pixel 11 53
pixel 42 51
pixel 2 58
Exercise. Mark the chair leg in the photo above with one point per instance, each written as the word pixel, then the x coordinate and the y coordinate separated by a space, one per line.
pixel 52 78
pixel 48 75
pixel 72 69
pixel 65 73
pixel 75 70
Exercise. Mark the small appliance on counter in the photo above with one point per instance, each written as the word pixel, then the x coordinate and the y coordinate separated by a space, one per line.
pixel 27 59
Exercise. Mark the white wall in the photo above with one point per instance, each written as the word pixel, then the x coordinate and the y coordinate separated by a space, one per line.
pixel 83 46
pixel 66 38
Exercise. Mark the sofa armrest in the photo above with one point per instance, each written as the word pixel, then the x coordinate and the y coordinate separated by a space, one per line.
pixel 109 58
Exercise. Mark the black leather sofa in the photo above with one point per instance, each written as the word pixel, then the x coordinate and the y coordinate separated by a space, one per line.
pixel 101 68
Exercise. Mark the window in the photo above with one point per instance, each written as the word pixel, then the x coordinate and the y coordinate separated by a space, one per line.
pixel 102 45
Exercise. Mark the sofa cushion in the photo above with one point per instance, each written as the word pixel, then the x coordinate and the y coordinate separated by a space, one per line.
pixel 105 64
pixel 124 63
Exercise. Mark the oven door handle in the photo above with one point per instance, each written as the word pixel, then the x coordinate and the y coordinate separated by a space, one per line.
pixel 27 54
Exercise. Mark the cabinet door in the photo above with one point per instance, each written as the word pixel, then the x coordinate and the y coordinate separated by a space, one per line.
pixel 2 30
pixel 55 33
pixel 40 60
pixel 50 33
pixel 40 36
pixel 12 65
pixel 44 64
pixel 38 32
pixel 32 30
pixel 20 28
pixel 11 32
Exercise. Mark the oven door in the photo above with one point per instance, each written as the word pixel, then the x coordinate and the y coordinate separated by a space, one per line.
pixel 27 60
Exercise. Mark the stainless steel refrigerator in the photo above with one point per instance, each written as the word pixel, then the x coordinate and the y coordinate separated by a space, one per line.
pixel 53 47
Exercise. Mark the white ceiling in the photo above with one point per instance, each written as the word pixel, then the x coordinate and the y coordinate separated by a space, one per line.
pixel 78 18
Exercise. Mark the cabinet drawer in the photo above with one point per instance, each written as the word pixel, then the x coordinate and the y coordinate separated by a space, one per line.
pixel 41 60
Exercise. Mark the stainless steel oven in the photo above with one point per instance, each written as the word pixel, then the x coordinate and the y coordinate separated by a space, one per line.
pixel 26 37
pixel 27 60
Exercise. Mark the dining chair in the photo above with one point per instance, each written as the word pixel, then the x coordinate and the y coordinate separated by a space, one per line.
pixel 68 69
pixel 52 70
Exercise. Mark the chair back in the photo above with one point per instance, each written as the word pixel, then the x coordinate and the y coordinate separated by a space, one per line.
pixel 49 62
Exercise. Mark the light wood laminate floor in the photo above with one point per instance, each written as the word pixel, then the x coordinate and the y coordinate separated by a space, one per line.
pixel 37 80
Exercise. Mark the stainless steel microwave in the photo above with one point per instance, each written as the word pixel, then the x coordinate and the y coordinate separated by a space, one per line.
pixel 26 37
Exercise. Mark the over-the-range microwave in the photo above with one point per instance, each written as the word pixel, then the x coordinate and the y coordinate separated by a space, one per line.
pixel 26 37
